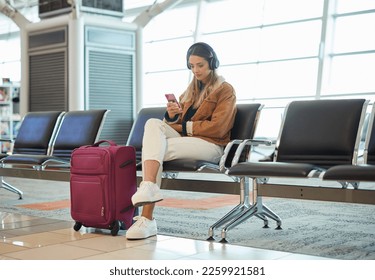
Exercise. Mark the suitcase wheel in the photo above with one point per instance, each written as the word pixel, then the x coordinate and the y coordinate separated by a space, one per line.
pixel 77 226
pixel 115 227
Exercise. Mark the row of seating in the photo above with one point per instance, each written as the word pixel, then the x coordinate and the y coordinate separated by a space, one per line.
pixel 318 139
pixel 48 138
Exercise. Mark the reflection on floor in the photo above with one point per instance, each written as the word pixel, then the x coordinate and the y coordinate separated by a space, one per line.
pixel 35 238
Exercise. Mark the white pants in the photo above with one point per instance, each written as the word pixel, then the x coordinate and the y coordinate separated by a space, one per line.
pixel 162 143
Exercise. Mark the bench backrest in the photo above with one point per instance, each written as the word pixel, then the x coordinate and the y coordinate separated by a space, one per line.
pixel 244 127
pixel 78 128
pixel 36 132
pixel 321 132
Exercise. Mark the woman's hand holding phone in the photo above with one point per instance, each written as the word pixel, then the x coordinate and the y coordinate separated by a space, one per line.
pixel 173 107
pixel 172 98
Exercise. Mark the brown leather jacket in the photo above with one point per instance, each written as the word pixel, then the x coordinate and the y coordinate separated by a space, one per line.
pixel 214 118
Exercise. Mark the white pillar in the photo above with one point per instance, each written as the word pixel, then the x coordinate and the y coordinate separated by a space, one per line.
pixel 76 64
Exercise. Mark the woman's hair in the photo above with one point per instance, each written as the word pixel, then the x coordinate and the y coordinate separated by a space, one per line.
pixel 194 93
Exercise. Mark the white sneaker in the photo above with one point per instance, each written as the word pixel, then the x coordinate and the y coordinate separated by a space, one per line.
pixel 148 192
pixel 142 228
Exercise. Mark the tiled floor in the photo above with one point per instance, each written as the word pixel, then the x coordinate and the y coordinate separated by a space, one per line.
pixel 33 238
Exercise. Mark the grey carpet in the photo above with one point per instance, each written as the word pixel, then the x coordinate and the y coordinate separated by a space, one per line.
pixel 333 230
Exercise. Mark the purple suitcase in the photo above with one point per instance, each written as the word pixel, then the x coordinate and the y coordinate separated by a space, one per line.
pixel 102 182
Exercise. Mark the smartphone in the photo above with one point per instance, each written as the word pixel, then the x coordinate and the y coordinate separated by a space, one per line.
pixel 172 98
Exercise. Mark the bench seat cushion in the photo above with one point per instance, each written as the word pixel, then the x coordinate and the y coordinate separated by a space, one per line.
pixel 364 172
pixel 31 159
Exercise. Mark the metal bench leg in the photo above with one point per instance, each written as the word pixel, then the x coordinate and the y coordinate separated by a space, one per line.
pixel 9 187
pixel 234 212
pixel 258 209
pixel 264 210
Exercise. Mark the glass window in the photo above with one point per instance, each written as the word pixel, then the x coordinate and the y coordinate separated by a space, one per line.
pixel 290 40
pixel 226 15
pixel 243 78
pixel 261 56
pixel 273 80
pixel 166 55
pixel 235 47
pixel 10 65
pixel 287 78
pixel 155 85
pixel 269 123
pixel 7 45
pixel 7 25
pixel 163 26
pixel 11 70
pixel 289 10
pixel 346 6
pixel 352 74
pixel 354 33
pixel 256 13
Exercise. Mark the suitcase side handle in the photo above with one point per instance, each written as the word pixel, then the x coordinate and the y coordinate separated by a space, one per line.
pixel 110 142
pixel 126 163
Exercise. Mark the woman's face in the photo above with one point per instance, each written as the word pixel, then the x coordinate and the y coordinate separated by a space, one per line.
pixel 200 68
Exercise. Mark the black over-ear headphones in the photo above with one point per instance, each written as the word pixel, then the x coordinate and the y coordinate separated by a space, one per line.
pixel 213 61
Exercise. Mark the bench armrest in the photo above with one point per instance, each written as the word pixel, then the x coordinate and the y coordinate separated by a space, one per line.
pixel 248 142
pixel 227 149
